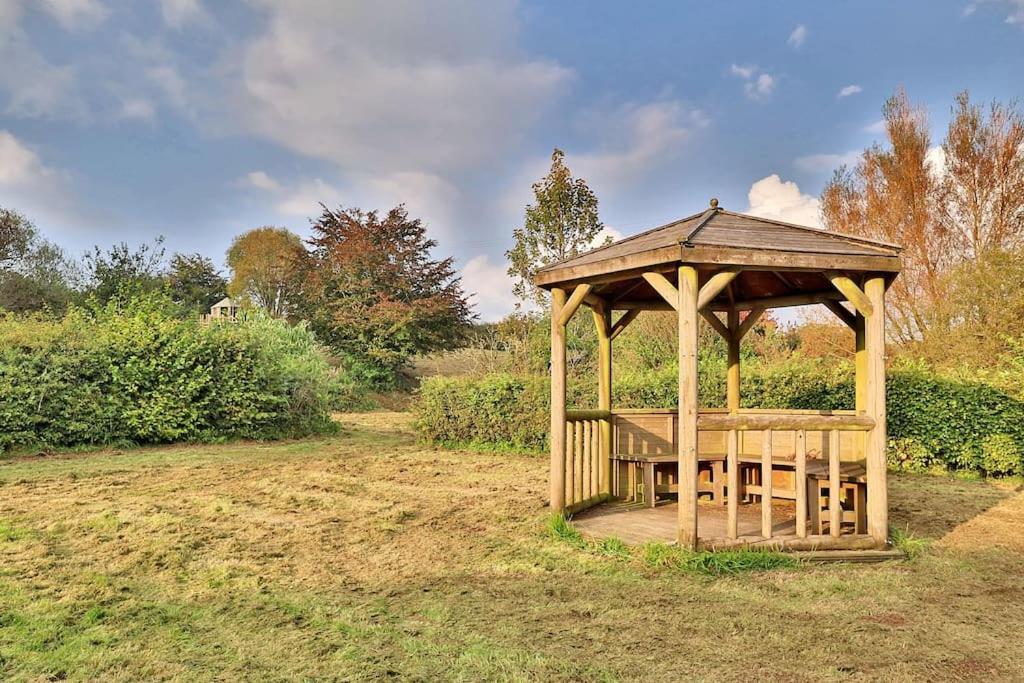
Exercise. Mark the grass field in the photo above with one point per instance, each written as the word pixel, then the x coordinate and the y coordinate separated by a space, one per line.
pixel 366 556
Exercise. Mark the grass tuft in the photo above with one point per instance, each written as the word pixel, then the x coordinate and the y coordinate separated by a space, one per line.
pixel 560 529
pixel 612 547
pixel 911 545
pixel 718 563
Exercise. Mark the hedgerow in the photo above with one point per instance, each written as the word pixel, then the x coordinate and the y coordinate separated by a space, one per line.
pixel 933 420
pixel 133 373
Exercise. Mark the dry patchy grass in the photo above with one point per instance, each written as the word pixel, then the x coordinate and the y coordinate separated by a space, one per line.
pixel 367 555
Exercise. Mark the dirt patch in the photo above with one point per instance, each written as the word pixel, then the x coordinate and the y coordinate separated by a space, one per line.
pixel 1001 526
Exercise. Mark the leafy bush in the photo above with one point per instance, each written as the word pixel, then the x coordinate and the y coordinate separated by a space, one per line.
pixel 134 373
pixel 933 420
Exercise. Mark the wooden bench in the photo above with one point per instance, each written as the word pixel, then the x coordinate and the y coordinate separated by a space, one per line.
pixel 710 479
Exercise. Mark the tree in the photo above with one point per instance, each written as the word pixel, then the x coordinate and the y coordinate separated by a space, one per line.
pixel 194 282
pixel 374 294
pixel 981 205
pixel 264 265
pixel 945 205
pixel 17 234
pixel 560 224
pixel 34 273
pixel 120 272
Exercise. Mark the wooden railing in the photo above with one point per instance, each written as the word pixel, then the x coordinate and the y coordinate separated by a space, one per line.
pixel 773 435
pixel 587 466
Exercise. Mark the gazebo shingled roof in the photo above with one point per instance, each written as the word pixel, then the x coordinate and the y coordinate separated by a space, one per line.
pixel 771 253
pixel 711 263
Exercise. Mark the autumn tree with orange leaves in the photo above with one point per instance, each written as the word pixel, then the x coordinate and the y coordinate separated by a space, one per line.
pixel 372 291
pixel 949 206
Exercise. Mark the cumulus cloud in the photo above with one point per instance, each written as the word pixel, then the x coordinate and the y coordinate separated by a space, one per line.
pixel 179 13
pixel 260 180
pixel 489 287
pixel 817 163
pixel 425 86
pixel 33 85
pixel 848 90
pixel 772 197
pixel 73 15
pixel 758 84
pixel 19 165
pixel 935 160
pixel 138 108
pixel 877 127
pixel 798 36
pixel 640 138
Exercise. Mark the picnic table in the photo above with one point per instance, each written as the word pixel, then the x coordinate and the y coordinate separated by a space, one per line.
pixel 712 480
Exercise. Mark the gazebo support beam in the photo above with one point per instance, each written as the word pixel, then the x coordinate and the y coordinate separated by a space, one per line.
pixel 854 294
pixel 850 319
pixel 714 286
pixel 558 302
pixel 716 324
pixel 687 307
pixel 623 322
pixel 780 301
pixel 665 288
pixel 874 343
pixel 748 323
pixel 569 309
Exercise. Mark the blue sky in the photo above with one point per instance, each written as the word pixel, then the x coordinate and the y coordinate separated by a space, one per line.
pixel 197 120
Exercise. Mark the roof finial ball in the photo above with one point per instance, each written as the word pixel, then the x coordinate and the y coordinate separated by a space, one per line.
pixel 714 202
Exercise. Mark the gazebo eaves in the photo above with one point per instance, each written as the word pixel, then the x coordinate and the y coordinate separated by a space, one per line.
pixel 716 237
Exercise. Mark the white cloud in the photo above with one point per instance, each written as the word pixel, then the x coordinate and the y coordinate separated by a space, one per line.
pixel 798 36
pixel 425 86
pixel 179 13
pixel 849 90
pixel 33 85
pixel 19 165
pixel 771 197
pixel 167 80
pixel 758 85
pixel 138 108
pixel 641 139
pixel 260 180
pixel 877 127
pixel 303 200
pixel 744 72
pixel 935 160
pixel 489 286
pixel 73 15
pixel 816 163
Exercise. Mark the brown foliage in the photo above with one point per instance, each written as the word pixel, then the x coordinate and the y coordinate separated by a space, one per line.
pixel 943 205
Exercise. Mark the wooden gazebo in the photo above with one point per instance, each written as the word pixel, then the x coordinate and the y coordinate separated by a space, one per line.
pixel 828 467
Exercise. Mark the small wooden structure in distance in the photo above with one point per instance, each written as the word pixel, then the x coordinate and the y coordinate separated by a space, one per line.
pixel 719 263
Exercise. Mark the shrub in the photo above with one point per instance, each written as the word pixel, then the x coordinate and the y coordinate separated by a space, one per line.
pixel 933 420
pixel 1001 456
pixel 133 373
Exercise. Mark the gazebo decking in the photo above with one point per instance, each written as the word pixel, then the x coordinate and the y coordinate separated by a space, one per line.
pixel 823 473
pixel 635 522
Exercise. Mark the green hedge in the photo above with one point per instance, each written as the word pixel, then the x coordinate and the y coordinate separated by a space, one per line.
pixel 933 421
pixel 135 374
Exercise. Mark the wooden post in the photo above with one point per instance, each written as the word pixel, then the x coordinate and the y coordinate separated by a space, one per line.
pixel 603 322
pixel 687 308
pixel 732 384
pixel 557 402
pixel 766 483
pixel 835 510
pixel 860 364
pixel 732 464
pixel 875 442
pixel 801 483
